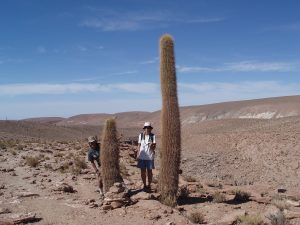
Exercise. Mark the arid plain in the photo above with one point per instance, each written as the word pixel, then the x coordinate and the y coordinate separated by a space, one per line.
pixel 240 162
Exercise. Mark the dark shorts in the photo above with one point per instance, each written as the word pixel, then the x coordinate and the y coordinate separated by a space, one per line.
pixel 145 164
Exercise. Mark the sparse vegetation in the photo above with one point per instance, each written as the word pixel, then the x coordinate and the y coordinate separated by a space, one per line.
pixel 13 152
pixel 80 163
pixel 278 219
pixel 218 197
pixel 249 220
pixel 2 145
pixel 48 166
pixel 241 196
pixel 58 154
pixel 20 147
pixel 190 179
pixel 197 217
pixel 32 161
pixel 183 191
pixel 65 167
pixel 281 204
pixel 215 185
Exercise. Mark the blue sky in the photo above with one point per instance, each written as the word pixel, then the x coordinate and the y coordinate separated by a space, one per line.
pixel 62 58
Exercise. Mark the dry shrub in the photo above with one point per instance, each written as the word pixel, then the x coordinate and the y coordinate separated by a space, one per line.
pixel 20 147
pixel 64 167
pixel 58 154
pixel 48 167
pixel 190 179
pixel 183 191
pixel 241 196
pixel 13 152
pixel 218 197
pixel 278 219
pixel 197 218
pixel 2 145
pixel 32 161
pixel 281 204
pixel 249 220
pixel 80 163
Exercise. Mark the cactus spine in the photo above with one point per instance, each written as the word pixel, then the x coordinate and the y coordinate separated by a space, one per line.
pixel 170 122
pixel 110 155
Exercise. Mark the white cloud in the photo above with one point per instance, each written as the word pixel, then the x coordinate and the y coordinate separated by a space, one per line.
pixel 244 66
pixel 126 72
pixel 99 47
pixel 41 49
pixel 151 61
pixel 82 48
pixel 131 21
pixel 143 97
pixel 40 88
pixel 206 20
pixel 212 92
pixel 285 27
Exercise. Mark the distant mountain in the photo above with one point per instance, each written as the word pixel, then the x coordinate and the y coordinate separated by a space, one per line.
pixel 267 108
pixel 45 119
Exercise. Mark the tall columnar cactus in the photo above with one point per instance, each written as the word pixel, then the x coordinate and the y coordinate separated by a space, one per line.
pixel 110 169
pixel 170 122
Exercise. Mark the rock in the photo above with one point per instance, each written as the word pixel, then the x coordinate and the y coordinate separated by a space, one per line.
pixel 65 188
pixel 13 174
pixel 128 182
pixel 292 215
pixel 118 184
pixel 33 182
pixel 89 177
pixel 141 196
pixel 27 194
pixel 168 211
pixel 230 217
pixel 293 203
pixel 116 190
pixel 6 222
pixel 93 205
pixel 117 204
pixel 25 218
pixel 155 216
pixel 170 223
pixel 4 211
pixel 106 207
pixel 281 190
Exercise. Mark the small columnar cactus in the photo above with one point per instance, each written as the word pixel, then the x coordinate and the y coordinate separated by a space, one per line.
pixel 170 122
pixel 110 169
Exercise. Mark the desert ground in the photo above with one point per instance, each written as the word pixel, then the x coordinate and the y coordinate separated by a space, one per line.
pixel 240 165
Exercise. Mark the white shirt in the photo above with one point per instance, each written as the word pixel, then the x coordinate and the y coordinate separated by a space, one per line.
pixel 145 152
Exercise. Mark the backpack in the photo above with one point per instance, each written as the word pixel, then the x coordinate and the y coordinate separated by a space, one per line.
pixel 150 137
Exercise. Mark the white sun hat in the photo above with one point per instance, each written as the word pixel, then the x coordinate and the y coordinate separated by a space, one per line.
pixel 147 124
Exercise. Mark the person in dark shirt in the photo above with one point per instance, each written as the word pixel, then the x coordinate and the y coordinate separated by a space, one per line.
pixel 94 156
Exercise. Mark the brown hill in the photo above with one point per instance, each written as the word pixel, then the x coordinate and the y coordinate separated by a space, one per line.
pixel 267 108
